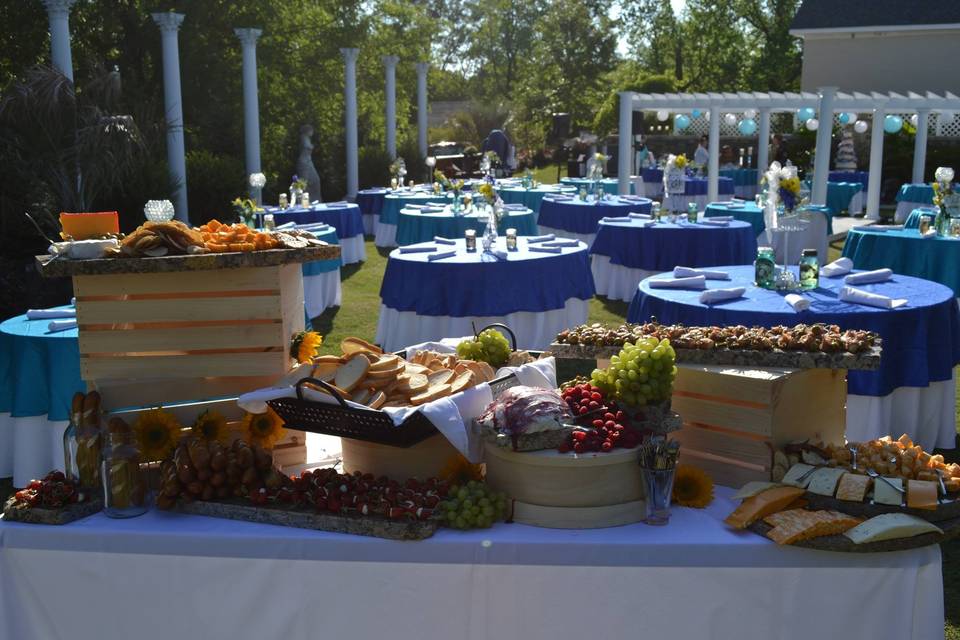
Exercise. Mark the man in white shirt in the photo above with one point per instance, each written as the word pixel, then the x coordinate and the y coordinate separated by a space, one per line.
pixel 701 156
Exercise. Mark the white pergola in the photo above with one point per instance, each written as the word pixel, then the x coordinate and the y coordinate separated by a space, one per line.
pixel 826 102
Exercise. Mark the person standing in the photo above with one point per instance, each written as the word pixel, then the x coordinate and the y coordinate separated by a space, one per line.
pixel 701 156
pixel 778 151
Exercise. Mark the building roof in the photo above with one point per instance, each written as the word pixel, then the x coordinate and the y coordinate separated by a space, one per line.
pixel 865 14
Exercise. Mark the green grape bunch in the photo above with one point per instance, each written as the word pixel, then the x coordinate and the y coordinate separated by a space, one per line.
pixel 473 505
pixel 641 374
pixel 489 346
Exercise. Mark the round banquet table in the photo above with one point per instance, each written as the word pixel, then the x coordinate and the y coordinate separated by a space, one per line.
pixel 907 252
pixel 815 235
pixel 386 228
pixel 913 220
pixel 531 198
pixel 370 202
pixel 39 373
pixel 845 196
pixel 912 196
pixel 343 217
pixel 576 218
pixel 695 190
pixel 912 392
pixel 610 185
pixel 652 180
pixel 321 279
pixel 535 294
pixel 625 253
pixel 423 225
pixel 745 181
pixel 863 177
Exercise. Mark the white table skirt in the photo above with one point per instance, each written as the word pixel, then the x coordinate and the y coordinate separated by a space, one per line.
pixel 30 447
pixel 369 223
pixel 174 576
pixel 814 236
pixel 904 209
pixel 534 330
pixel 352 250
pixel 321 292
pixel 385 235
pixel 927 414
pixel 856 203
pixel 616 281
pixel 586 238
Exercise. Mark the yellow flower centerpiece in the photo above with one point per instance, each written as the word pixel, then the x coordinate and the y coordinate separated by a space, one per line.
pixel 210 426
pixel 680 161
pixel 486 190
pixel 157 433
pixel 459 470
pixel 264 429
pixel 692 487
pixel 304 345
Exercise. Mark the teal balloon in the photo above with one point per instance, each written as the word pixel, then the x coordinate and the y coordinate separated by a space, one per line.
pixel 844 118
pixel 681 122
pixel 695 113
pixel 805 114
pixel 747 127
pixel 892 124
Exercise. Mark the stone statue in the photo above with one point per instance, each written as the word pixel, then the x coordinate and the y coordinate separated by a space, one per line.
pixel 305 169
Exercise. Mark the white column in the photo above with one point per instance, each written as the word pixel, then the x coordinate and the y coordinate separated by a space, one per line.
pixel 713 148
pixel 390 66
pixel 350 108
pixel 920 145
pixel 625 149
pixel 58 13
pixel 763 144
pixel 821 166
pixel 422 107
pixel 169 24
pixel 251 107
pixel 876 164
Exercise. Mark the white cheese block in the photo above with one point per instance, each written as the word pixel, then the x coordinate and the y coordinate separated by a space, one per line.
pixel 883 493
pixel 889 526
pixel 753 488
pixel 793 476
pixel 824 481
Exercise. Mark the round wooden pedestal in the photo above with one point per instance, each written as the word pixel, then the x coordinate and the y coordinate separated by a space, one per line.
pixel 423 460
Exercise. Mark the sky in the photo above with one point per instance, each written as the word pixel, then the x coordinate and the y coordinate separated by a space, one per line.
pixel 678 7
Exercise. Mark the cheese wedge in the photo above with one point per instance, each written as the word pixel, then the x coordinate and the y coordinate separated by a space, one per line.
pixel 753 488
pixel 795 473
pixel 922 494
pixel 890 526
pixel 824 481
pixel 798 524
pixel 82 226
pixel 761 505
pixel 853 487
pixel 884 494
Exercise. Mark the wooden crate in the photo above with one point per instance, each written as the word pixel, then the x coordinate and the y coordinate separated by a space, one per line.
pixel 734 418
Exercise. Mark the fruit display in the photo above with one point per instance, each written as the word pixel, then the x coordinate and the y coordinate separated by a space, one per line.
pixel 488 346
pixel 473 505
pixel 221 238
pixel 641 374
pixel 53 491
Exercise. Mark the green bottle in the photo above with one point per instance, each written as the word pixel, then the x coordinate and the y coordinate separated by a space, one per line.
pixel 764 268
pixel 809 269
pixel 692 212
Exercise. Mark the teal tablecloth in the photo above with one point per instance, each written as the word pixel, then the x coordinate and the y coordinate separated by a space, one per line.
pixel 920 193
pixel 392 203
pixel 839 195
pixel 610 185
pixel 913 220
pixel 531 198
pixel 323 266
pixel 39 370
pixel 752 214
pixel 905 252
pixel 741 177
pixel 414 227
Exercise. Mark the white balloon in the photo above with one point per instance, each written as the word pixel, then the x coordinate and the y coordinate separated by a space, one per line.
pixel 813 124
pixel 915 120
pixel 730 119
pixel 663 115
pixel 852 116
pixel 750 114
pixel 706 116
pixel 860 126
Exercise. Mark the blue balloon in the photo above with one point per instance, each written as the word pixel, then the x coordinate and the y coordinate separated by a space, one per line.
pixel 695 113
pixel 747 127
pixel 805 114
pixel 681 122
pixel 844 118
pixel 892 124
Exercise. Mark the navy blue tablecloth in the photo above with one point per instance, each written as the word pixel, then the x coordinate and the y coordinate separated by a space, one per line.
pixel 477 284
pixel 579 216
pixel 370 201
pixel 347 220
pixel 664 246
pixel 652 175
pixel 921 341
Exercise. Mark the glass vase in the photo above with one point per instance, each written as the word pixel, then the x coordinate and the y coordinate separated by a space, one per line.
pixel 942 223
pixel 490 232
pixel 124 486
pixel 457 204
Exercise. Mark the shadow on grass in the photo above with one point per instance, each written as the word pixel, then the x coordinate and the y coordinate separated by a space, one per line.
pixel 616 307
pixel 349 270
pixel 323 323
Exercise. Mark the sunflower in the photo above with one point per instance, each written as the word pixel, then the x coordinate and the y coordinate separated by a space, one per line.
pixel 157 433
pixel 263 429
pixel 459 470
pixel 211 426
pixel 304 345
pixel 692 487
pixel 681 161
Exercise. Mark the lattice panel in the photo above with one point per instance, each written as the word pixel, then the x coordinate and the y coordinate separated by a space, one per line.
pixel 940 125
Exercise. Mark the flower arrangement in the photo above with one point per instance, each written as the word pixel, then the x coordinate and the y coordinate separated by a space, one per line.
pixel 304 345
pixel 783 186
pixel 942 186
pixel 487 191
pixel 398 169
pixel 246 210
pixel 673 174
pixel 157 432
pixel 210 426
pixel 598 166
pixel 680 161
pixel 692 487
pixel 439 177
pixel 459 470
pixel 264 429
pixel 297 183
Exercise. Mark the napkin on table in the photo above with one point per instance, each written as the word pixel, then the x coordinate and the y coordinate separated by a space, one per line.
pixel 542 249
pixel 559 198
pixel 859 296
pixel 687 272
pixel 515 206
pixel 339 203
pixel 440 240
pixel 718 295
pixel 45 314
pixel 837 268
pixel 286 225
pixel 561 243
pixel 883 227
pixel 734 205
pixel 693 282
pixel 715 223
pixel 641 216
pixel 61 325
pixel 868 277
pixel 617 219
pixel 417 249
pixel 798 302
pixel 722 218
pixel 533 239
pixel 929 233
pixel 441 256
pixel 431 209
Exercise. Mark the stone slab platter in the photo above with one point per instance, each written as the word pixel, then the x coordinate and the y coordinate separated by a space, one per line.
pixel 38 515
pixel 867 361
pixel 308 519
pixel 949 508
pixel 841 543
pixel 51 268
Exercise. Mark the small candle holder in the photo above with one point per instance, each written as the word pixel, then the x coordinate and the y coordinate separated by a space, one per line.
pixel 158 210
pixel 471 239
pixel 269 223
pixel 282 201
pixel 511 239
pixel 304 199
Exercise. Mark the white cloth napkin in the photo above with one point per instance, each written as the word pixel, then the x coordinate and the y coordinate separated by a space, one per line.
pixel 859 296
pixel 440 256
pixel 61 325
pixel 499 253
pixel 641 216
pixel 287 225
pixel 561 243
pixel 718 295
pixel 693 282
pixel 883 227
pixel 46 314
pixel 431 210
pixel 837 268
pixel 340 203
pixel 539 373
pixel 515 206
pixel 417 249
pixel 541 249
pixel 533 239
pixel 798 302
pixel 687 272
pixel 618 219
pixel 727 218
pixel 734 205
pixel 868 277
pixel 715 223
pixel 560 198
pixel 440 240
pixel 929 233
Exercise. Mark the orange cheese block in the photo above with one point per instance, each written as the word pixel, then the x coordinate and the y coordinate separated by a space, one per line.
pixel 798 524
pixel 762 505
pixel 83 226
pixel 922 494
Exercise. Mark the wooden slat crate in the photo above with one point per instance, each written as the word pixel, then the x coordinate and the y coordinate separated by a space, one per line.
pixel 734 418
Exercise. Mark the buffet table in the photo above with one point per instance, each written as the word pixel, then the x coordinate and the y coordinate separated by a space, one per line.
pixel 386 228
pixel 576 218
pixel 626 252
pixel 423 225
pixel 536 294
pixel 816 235
pixel 39 373
pixel 694 578
pixel 610 185
pixel 343 217
pixel 907 252
pixel 531 198
pixel 910 197
pixel 914 389
pixel 695 190
pixel 370 202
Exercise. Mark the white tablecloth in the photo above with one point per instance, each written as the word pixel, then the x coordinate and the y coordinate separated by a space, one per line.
pixel 385 235
pixel 616 281
pixel 369 223
pixel 856 203
pixel 928 414
pixel 30 447
pixel 352 250
pixel 321 292
pixel 813 236
pixel 652 189
pixel 163 576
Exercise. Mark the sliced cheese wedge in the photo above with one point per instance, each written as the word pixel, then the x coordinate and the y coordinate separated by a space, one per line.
pixel 922 494
pixel 753 488
pixel 853 487
pixel 761 505
pixel 885 494
pixel 890 526
pixel 795 473
pixel 824 481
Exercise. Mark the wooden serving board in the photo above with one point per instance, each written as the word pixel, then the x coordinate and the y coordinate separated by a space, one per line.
pixel 949 509
pixel 373 526
pixel 951 528
pixel 868 360
pixel 39 515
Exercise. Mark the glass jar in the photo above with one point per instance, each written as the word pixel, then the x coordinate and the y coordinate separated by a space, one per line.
pixel 511 239
pixel 470 236
pixel 269 223
pixel 583 193
pixel 282 201
pixel 124 487
pixel 655 210
pixel 305 200
pixel 692 212
pixel 809 269
pixel 924 225
pixel 764 268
